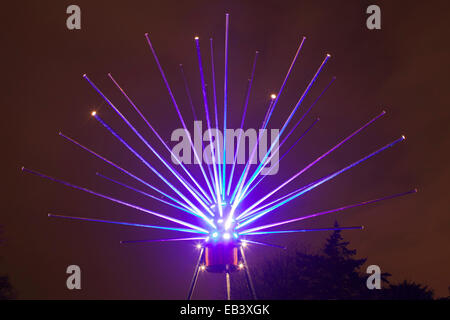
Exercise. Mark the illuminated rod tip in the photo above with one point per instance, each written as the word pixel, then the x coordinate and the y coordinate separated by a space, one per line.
pixel 199 246
pixel 196 38
pixel 416 190
pixel 273 96
pixel 21 168
pixel 146 34
pixel 244 243
pixel 383 112
pixel 241 266
pixel 93 113
pixel 202 267
pixel 363 227
pixel 328 55
pixel 403 137
pixel 84 75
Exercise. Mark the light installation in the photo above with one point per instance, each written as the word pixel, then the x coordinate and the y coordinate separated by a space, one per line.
pixel 224 226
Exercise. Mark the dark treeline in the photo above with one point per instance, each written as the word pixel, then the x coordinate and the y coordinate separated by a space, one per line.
pixel 334 272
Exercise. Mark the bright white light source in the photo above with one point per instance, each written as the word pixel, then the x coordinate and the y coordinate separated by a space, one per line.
pixel 241 266
pixel 199 246
pixel 202 267
pixel 244 243
pixel 226 236
pixel 93 113
pixel 273 96
pixel 215 235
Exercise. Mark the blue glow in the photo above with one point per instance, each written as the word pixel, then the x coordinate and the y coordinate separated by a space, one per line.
pixel 319 182
pixel 222 226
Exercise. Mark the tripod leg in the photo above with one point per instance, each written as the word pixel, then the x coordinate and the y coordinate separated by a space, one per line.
pixel 247 276
pixel 227 275
pixel 195 277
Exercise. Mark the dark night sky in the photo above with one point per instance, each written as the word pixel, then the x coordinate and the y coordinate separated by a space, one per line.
pixel 402 68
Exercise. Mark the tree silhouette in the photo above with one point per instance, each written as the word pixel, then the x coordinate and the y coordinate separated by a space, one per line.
pixel 6 289
pixel 407 290
pixel 332 273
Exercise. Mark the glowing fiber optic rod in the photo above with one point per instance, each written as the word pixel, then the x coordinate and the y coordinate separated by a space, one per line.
pixel 208 199
pixel 242 190
pixel 313 162
pixel 51 215
pixel 197 210
pixel 96 116
pixel 272 106
pixel 301 230
pixel 162 240
pixel 172 97
pixel 249 87
pixel 125 171
pixel 317 214
pixel 205 102
pixel 119 201
pixel 321 181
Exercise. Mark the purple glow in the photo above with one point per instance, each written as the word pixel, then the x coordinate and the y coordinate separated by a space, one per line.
pixel 197 210
pixel 188 92
pixel 178 112
pixel 273 153
pixel 249 87
pixel 123 170
pixel 313 163
pixel 124 223
pixel 301 230
pixel 355 205
pixel 97 117
pixel 300 46
pixel 225 106
pixel 162 141
pixel 143 193
pixel 116 200
pixel 212 197
pixel 278 149
pixel 265 244
pixel 162 240
pixel 321 181
pixel 208 121
pixel 242 190
pixel 216 113
pixel 272 107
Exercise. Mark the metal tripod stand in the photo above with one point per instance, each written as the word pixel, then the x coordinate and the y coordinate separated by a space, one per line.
pixel 198 267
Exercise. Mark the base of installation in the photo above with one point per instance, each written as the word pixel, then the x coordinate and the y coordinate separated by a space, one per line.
pixel 222 258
